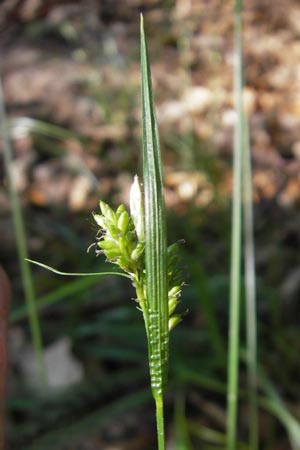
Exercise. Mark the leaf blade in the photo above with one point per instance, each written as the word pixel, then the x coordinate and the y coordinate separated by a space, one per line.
pixel 74 274
pixel 155 235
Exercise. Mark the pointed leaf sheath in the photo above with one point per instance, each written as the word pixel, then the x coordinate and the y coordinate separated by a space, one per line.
pixel 155 236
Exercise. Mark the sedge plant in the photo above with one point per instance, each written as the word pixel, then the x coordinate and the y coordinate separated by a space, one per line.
pixel 136 241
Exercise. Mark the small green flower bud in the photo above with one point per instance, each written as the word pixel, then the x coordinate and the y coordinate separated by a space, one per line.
pixel 124 263
pixel 114 232
pixel 112 254
pixel 173 249
pixel 120 210
pixel 174 291
pixel 107 211
pixel 107 245
pixel 138 251
pixel 172 303
pixel 174 320
pixel 99 220
pixel 124 244
pixel 172 255
pixel 123 221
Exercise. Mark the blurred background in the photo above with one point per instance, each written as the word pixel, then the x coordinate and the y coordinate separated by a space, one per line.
pixel 71 82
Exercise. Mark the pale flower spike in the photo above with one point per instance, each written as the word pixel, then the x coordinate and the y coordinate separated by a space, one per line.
pixel 122 241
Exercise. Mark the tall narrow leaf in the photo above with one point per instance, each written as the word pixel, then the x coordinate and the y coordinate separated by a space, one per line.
pixel 250 294
pixel 155 244
pixel 235 273
pixel 21 245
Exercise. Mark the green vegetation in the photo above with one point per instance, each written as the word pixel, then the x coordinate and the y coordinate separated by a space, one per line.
pixel 212 388
pixel 22 246
pixel 235 273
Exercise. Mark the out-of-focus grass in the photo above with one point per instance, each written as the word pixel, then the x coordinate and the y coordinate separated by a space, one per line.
pixel 21 244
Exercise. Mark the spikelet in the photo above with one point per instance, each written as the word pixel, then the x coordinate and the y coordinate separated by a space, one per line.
pixel 122 242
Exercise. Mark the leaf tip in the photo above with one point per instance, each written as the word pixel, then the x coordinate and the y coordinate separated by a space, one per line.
pixel 142 23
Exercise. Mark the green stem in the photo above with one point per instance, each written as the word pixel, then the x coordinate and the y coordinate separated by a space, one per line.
pixel 21 245
pixel 235 282
pixel 250 285
pixel 159 403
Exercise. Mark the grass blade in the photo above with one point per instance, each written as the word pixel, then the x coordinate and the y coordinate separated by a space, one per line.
pixel 21 245
pixel 235 274
pixel 75 274
pixel 30 125
pixel 275 405
pixel 67 291
pixel 250 287
pixel 182 434
pixel 155 245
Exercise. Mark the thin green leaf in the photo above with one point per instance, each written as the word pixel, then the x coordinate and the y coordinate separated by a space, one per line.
pixel 183 441
pixel 21 244
pixel 206 381
pixel 66 291
pixel 275 405
pixel 214 437
pixel 75 274
pixel 28 125
pixel 235 273
pixel 155 235
pixel 157 311
pixel 250 291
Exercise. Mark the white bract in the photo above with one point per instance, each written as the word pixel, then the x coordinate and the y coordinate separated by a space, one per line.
pixel 136 208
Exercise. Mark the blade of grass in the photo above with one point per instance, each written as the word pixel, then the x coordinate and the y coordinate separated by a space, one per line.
pixel 21 245
pixel 205 381
pixel 235 273
pixel 277 408
pixel 183 441
pixel 60 294
pixel 75 274
pixel 207 434
pixel 216 438
pixel 250 288
pixel 27 124
pixel 275 405
pixel 66 291
pixel 155 246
